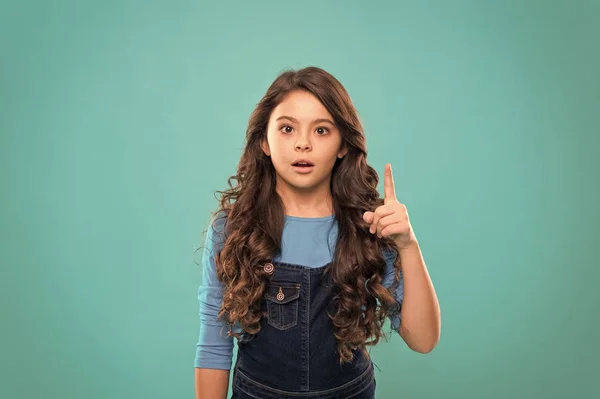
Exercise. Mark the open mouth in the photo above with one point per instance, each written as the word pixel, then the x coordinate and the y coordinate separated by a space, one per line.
pixel 303 166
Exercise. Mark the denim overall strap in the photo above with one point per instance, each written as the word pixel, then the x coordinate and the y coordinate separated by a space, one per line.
pixel 295 353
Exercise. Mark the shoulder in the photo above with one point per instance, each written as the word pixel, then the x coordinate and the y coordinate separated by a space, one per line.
pixel 218 221
pixel 216 234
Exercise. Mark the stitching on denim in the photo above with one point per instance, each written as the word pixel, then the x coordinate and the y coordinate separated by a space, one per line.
pixel 345 388
pixel 349 385
pixel 294 266
pixel 294 320
pixel 365 387
pixel 307 315
pixel 276 311
pixel 294 287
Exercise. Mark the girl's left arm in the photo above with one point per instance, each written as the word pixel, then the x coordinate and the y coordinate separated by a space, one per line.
pixel 421 322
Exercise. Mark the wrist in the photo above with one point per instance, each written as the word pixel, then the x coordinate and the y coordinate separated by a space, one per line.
pixel 408 248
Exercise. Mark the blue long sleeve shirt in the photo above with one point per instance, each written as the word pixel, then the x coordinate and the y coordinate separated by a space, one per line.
pixel 305 241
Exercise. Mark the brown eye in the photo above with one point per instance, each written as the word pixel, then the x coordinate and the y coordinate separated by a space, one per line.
pixel 322 130
pixel 286 128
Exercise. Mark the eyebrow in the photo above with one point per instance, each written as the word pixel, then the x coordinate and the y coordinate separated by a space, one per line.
pixel 321 120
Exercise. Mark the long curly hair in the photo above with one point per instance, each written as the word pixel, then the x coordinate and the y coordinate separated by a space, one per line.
pixel 254 220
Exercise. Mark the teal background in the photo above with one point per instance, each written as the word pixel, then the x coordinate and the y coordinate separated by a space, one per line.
pixel 119 119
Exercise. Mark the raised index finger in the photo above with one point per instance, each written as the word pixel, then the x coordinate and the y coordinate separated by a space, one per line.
pixel 388 183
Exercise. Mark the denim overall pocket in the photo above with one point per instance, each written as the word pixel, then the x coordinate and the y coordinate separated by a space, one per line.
pixel 282 304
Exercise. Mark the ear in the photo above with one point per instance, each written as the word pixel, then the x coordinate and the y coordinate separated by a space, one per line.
pixel 342 152
pixel 265 147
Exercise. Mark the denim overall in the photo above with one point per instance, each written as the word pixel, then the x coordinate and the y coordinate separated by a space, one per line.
pixel 295 354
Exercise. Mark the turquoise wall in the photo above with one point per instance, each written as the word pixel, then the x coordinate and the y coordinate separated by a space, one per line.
pixel 119 119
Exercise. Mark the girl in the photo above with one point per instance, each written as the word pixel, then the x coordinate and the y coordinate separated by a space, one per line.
pixel 304 260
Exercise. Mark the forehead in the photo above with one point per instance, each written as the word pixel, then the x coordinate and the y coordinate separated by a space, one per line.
pixel 301 105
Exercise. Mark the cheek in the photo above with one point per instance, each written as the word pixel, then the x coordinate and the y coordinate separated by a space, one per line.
pixel 276 143
pixel 278 162
pixel 278 158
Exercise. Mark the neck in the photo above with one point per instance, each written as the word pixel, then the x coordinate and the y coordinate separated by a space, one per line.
pixel 313 203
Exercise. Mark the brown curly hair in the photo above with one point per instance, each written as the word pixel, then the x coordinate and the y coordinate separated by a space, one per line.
pixel 254 219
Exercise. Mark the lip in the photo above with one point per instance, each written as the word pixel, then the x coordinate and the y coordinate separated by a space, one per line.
pixel 308 161
pixel 303 169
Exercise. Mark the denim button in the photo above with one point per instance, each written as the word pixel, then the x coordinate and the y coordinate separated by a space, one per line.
pixel 280 295
pixel 268 267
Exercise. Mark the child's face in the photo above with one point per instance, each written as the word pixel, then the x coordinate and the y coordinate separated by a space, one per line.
pixel 301 127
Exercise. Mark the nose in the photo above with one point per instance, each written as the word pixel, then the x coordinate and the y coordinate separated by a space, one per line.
pixel 302 143
pixel 301 147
